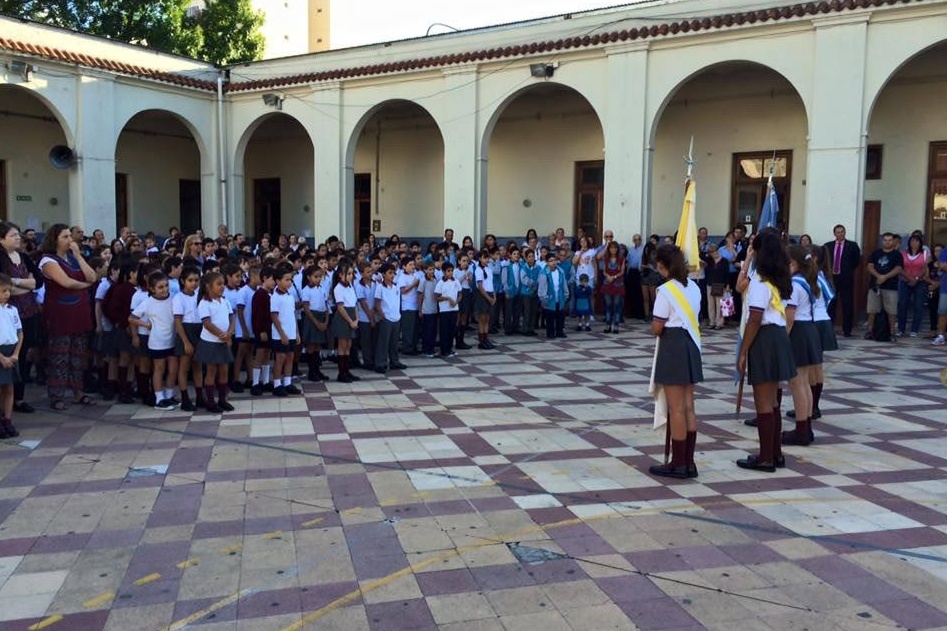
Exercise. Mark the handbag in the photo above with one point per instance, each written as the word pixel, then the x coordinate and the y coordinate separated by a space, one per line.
pixel 727 308
pixel 717 289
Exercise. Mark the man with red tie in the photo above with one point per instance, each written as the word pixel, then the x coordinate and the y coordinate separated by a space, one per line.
pixel 844 256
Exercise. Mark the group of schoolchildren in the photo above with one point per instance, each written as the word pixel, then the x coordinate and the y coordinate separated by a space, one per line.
pixel 785 331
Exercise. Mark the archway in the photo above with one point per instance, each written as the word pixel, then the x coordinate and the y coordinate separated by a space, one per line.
pixel 278 160
pixel 157 174
pixel 396 159
pixel 906 165
pixel 739 113
pixel 546 166
pixel 33 193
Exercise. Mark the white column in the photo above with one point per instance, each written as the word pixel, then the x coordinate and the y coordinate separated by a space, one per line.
pixel 835 165
pixel 627 167
pixel 334 212
pixel 465 195
pixel 92 179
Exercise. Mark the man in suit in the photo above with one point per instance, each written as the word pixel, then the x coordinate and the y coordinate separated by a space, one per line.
pixel 844 258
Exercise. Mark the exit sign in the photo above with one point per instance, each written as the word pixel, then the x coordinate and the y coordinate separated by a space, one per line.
pixel 24 198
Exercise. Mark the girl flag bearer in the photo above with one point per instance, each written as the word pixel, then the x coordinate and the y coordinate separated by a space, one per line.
pixel 766 353
pixel 677 362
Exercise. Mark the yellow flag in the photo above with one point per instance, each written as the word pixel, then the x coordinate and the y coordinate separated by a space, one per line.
pixel 687 229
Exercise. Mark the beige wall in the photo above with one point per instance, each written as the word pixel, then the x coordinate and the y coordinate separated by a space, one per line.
pixel 533 150
pixel 727 111
pixel 408 195
pixel 27 132
pixel 291 160
pixel 908 116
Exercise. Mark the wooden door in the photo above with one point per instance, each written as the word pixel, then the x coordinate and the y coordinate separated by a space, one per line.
pixel 590 198
pixel 266 207
pixel 189 200
pixel 936 224
pixel 363 207
pixel 121 201
pixel 871 233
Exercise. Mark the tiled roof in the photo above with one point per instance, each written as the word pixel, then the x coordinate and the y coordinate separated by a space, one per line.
pixel 105 64
pixel 716 22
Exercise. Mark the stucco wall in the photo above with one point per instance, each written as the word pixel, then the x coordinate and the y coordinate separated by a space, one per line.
pixel 25 141
pixel 291 160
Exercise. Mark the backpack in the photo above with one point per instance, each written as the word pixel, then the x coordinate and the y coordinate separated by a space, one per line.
pixel 882 329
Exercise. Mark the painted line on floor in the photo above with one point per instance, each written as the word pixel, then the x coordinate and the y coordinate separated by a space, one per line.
pixel 277 534
pixel 235 548
pixel 312 522
pixel 46 622
pixel 99 600
pixel 144 580
pixel 183 565
pixel 203 613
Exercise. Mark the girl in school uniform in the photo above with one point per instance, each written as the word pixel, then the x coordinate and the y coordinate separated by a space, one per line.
pixel 156 314
pixel 823 323
pixel 484 300
pixel 766 353
pixel 187 325
pixel 11 341
pixel 315 320
pixel 463 276
pixel 365 294
pixel 116 306
pixel 213 347
pixel 284 333
pixel 677 364
pixel 345 318
pixel 105 331
pixel 804 337
pixel 529 285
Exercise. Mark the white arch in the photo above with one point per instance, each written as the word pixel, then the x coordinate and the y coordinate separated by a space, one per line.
pixel 241 147
pixel 42 97
pixel 669 84
pixel 199 140
pixel 364 119
pixel 494 116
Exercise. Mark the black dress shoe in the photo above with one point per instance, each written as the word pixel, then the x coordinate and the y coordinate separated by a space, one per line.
pixel 669 471
pixel 398 366
pixel 754 463
pixel 750 422
pixel 23 408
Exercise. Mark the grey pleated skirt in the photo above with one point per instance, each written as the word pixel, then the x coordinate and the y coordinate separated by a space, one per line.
pixel 806 345
pixel 827 335
pixel 213 353
pixel 193 332
pixel 340 328
pixel 678 362
pixel 309 334
pixel 770 358
pixel 9 375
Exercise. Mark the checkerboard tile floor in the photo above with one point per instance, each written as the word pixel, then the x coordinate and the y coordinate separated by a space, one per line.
pixel 501 490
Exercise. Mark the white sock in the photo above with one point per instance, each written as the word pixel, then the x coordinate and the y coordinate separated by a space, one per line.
pixel 168 393
pixel 256 376
pixel 287 381
pixel 266 373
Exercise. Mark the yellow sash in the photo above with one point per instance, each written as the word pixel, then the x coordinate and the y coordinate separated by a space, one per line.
pixel 691 324
pixel 775 299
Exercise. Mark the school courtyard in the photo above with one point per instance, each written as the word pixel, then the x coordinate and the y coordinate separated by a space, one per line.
pixel 500 490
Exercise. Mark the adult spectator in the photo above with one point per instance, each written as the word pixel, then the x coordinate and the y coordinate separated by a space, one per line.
pixel 633 279
pixel 703 245
pixel 29 240
pixel 78 235
pixel 933 284
pixel 844 258
pixel 26 279
pixel 912 286
pixel 67 314
pixel 98 237
pixel 941 339
pixel 124 235
pixel 223 236
pixel 173 240
pixel 884 268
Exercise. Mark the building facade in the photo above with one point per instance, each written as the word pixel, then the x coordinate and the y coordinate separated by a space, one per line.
pixel 574 121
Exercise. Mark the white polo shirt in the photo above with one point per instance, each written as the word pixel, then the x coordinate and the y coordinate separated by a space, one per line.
pixel 219 312
pixel 284 305
pixel 390 298
pixel 160 313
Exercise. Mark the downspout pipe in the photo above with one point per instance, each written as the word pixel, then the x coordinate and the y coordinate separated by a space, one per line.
pixel 221 160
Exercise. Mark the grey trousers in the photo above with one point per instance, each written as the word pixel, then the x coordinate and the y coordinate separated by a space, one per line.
pixel 409 330
pixel 387 334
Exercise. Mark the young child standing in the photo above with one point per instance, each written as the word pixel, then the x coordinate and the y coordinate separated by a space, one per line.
pixel 284 333
pixel 233 293
pixel 157 316
pixel 213 348
pixel 484 300
pixel 529 281
pixel 553 294
pixel 11 340
pixel 447 293
pixel 583 303
pixel 315 321
pixel 116 306
pixel 409 284
pixel 388 313
pixel 804 338
pixel 428 311
pixel 261 323
pixel 345 320
pixel 462 274
pixel 513 303
pixel 143 359
pixel 365 294
pixel 187 325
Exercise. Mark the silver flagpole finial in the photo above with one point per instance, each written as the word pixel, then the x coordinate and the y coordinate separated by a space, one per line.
pixel 689 159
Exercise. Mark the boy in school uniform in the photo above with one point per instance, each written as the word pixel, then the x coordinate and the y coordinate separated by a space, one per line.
pixel 408 284
pixel 388 314
pixel 529 280
pixel 428 311
pixel 553 294
pixel 284 332
pixel 447 294
pixel 510 286
pixel 497 263
pixel 261 323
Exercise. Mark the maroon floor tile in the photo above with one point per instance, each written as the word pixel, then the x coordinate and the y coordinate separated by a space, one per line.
pixel 273 602
pixel 400 615
pixel 658 613
pixel 446 582
pixel 629 588
pixel 651 561
pixel 912 613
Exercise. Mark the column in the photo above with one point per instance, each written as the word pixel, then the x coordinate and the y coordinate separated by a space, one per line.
pixel 835 161
pixel 627 161
pixel 465 172
pixel 92 179
pixel 334 212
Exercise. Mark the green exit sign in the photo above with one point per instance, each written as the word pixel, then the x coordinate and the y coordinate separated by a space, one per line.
pixel 24 198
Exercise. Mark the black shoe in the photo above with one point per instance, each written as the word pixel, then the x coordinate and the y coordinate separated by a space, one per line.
pixel 268 387
pixel 754 463
pixel 381 370
pixel 750 422
pixel 780 462
pixel 213 408
pixel 187 406
pixel 24 408
pixel 669 471
pixel 355 377
pixel 279 391
pixel 226 407
pixel 847 333
pixel 692 470
pixel 463 346
pixel 293 390
pixel 399 366
pixel 561 335
pixel 126 399
pixel 483 346
pixel 256 390
pixel 349 378
pixel 4 434
pixel 236 386
pixel 791 437
pixel 816 413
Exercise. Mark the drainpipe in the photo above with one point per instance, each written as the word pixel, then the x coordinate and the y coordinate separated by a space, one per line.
pixel 221 160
